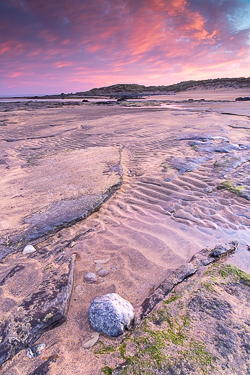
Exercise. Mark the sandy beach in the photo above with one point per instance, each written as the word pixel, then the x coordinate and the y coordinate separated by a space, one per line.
pixel 132 191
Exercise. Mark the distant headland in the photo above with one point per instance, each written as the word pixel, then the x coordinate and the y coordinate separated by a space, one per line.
pixel 136 90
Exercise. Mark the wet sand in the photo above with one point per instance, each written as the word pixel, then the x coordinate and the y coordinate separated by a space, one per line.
pixel 167 208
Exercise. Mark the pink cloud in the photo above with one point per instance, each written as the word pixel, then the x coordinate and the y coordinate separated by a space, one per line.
pixel 63 64
pixel 165 40
pixel 15 74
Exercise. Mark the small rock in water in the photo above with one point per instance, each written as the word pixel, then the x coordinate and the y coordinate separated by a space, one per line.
pixel 35 351
pixel 209 189
pixel 29 249
pixel 90 278
pixel 102 272
pixel 110 314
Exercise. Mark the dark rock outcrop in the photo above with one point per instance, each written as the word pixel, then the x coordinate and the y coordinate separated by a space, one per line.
pixel 44 368
pixel 40 311
pixel 202 327
pixel 39 219
pixel 187 164
pixel 201 259
pixel 242 99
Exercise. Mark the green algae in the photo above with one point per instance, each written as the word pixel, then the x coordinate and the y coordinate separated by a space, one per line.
pixel 199 354
pixel 168 341
pixel 106 370
pixel 172 299
pixel 102 349
pixel 228 270
pixel 231 186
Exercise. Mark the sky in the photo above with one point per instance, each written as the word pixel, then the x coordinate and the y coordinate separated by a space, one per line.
pixel 54 46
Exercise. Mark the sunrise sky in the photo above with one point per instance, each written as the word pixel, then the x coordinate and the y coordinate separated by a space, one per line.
pixel 54 46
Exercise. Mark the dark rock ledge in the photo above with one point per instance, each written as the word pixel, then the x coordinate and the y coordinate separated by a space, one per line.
pixel 39 312
pixel 47 306
pixel 201 327
pixel 61 215
pixel 38 219
pixel 200 259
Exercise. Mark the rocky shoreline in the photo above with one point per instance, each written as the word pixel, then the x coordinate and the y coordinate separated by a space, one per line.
pixel 198 329
pixel 128 196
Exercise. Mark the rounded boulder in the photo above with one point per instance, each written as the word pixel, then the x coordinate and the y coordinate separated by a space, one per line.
pixel 110 314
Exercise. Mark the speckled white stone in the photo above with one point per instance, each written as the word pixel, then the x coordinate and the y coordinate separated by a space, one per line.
pixel 111 314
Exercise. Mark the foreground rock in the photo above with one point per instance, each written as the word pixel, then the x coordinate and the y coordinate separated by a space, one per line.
pixel 203 327
pixel 111 314
pixel 199 260
pixel 90 278
pixel 40 311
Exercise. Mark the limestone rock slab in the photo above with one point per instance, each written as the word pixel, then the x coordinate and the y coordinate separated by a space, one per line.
pixel 51 192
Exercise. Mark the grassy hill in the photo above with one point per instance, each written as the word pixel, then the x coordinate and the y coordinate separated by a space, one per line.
pixel 126 89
